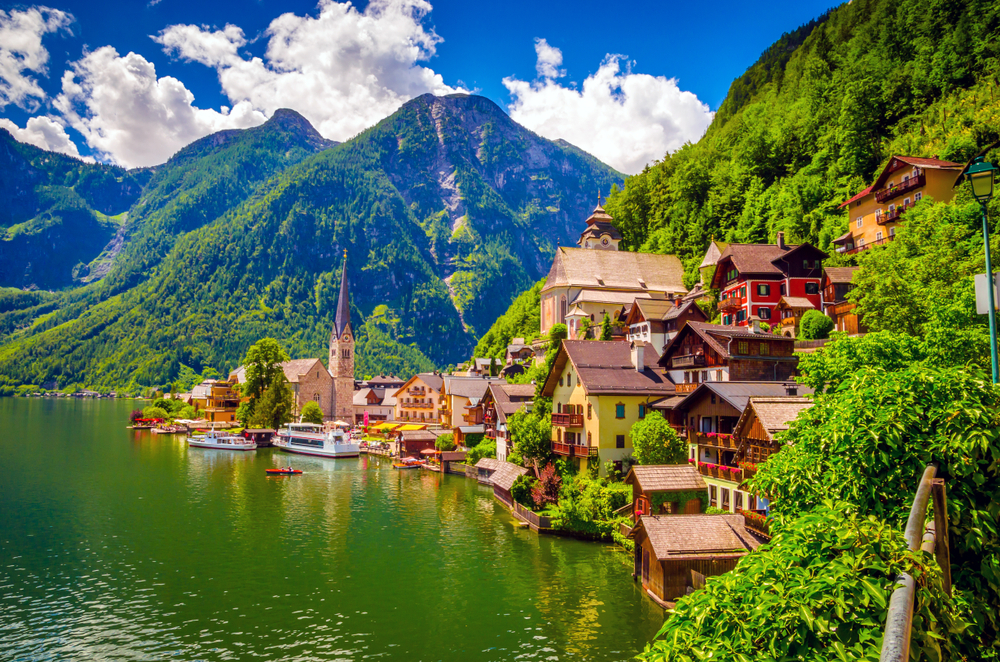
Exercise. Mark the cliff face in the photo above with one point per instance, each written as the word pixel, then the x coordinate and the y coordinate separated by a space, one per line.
pixel 447 209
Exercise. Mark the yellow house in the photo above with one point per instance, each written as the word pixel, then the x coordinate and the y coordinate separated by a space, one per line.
pixel 461 394
pixel 222 401
pixel 599 390
pixel 874 213
pixel 420 399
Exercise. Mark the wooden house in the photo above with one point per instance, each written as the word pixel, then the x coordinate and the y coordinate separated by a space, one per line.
pixel 412 443
pixel 754 436
pixel 666 489
pixel 657 321
pixel 674 553
pixel 503 479
pixel 712 353
pixel 837 282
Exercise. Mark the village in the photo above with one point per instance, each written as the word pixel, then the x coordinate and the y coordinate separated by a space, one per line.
pixel 623 344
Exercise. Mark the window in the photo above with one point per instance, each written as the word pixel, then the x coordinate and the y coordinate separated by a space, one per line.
pixel 620 441
pixel 805 264
pixel 738 500
pixel 642 411
pixel 558 407
pixel 906 202
pixel 559 435
pixel 812 288
pixel 916 198
pixel 861 242
pixel 713 499
pixel 619 410
pixel 725 498
pixel 741 315
pixel 859 221
pixel 878 236
pixel 764 290
pixel 743 291
pixel 588 438
pixel 743 347
pixel 892 207
pixel 765 349
pixel 727 320
pixel 560 381
pixel 892 232
pixel 713 398
pixel 764 313
pixel 590 409
pixel 345 353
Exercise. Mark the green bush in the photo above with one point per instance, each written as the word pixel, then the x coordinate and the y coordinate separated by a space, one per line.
pixel 155 412
pixel 520 491
pixel 445 442
pixel 714 510
pixel 189 413
pixel 815 326
pixel 312 413
pixel 485 448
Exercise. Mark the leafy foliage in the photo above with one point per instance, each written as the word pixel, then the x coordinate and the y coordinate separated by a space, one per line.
pixel 532 437
pixel 312 413
pixel 546 489
pixel 485 448
pixel 587 505
pixel 815 325
pixel 605 328
pixel 263 370
pixel 445 442
pixel 522 320
pixel 818 591
pixel 274 408
pixel 655 442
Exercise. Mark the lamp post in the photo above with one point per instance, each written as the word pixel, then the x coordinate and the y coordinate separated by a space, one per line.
pixel 981 175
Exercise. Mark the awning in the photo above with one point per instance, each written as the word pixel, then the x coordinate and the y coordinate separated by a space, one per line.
pixel 472 429
pixel 385 426
pixel 411 426
pixel 429 451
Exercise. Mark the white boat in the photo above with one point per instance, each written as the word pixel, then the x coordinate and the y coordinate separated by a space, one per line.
pixel 222 440
pixel 310 439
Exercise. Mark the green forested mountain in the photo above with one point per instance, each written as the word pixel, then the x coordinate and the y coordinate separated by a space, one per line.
pixel 58 213
pixel 447 210
pixel 809 125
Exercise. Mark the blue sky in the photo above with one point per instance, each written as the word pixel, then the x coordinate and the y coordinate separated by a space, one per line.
pixel 490 48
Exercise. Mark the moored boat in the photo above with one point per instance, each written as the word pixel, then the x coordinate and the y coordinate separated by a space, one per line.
pixel 310 439
pixel 287 471
pixel 222 441
pixel 407 463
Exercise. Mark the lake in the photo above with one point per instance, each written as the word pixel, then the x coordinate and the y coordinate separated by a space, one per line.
pixel 126 545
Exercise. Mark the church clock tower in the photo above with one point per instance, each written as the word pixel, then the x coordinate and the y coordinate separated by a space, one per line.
pixel 342 354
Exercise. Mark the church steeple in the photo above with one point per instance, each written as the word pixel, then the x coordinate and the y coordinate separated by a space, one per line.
pixel 600 234
pixel 343 303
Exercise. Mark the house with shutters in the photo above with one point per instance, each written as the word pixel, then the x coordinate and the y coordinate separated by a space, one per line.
pixel 599 389
pixel 875 213
pixel 753 279
pixel 703 352
pixel 500 401
pixel 419 399
pixel 656 322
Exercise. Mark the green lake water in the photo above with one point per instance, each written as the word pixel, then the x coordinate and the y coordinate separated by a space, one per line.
pixel 121 545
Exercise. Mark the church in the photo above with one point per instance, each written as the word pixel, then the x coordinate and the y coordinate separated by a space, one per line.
pixel 330 386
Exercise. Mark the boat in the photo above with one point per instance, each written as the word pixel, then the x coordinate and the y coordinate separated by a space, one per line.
pixel 222 440
pixel 287 471
pixel 311 439
pixel 408 463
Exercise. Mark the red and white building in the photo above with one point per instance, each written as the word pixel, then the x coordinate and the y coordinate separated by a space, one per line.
pixel 761 279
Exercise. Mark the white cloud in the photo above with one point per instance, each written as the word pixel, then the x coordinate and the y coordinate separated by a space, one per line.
pixel 625 119
pixel 43 132
pixel 132 117
pixel 343 69
pixel 21 52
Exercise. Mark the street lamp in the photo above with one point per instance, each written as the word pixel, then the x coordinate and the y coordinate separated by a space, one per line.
pixel 981 175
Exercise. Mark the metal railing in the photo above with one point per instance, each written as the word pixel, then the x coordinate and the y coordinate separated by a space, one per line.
pixel 928 538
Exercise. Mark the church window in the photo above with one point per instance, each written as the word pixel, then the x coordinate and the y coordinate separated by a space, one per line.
pixel 345 353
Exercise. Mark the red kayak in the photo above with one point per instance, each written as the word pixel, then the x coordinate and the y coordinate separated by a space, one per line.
pixel 284 472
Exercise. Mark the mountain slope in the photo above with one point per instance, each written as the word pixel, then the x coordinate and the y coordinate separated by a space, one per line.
pixel 809 125
pixel 447 210
pixel 58 213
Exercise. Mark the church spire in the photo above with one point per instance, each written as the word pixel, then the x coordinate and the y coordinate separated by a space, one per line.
pixel 344 303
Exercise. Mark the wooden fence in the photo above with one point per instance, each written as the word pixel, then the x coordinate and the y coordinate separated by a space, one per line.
pixel 535 521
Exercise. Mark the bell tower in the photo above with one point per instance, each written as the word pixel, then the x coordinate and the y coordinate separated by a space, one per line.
pixel 342 354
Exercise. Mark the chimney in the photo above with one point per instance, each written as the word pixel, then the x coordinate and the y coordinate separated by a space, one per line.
pixel 791 388
pixel 755 324
pixel 781 240
pixel 637 350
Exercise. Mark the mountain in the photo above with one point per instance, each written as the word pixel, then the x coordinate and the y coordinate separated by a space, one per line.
pixel 58 213
pixel 810 123
pixel 447 211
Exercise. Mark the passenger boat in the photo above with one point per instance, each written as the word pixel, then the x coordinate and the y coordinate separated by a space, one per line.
pixel 287 471
pixel 310 439
pixel 222 440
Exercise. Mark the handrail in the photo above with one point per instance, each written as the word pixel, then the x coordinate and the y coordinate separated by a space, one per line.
pixel 899 620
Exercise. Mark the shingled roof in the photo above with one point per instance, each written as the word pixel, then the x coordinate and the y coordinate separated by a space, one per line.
pixel 898 162
pixel 605 368
pixel 506 474
pixel 615 270
pixel 840 274
pixel 297 367
pixel 774 413
pixel 718 336
pixel 666 478
pixel 510 397
pixel 738 394
pixel 468 387
pixel 681 536
pixel 488 463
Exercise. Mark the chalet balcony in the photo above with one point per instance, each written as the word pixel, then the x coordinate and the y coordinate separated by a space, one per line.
pixel 687 361
pixel 756 521
pixel 567 420
pixel 417 390
pixel 490 433
pixel 682 389
pixel 573 450
pixel 899 189
pixel 877 242
pixel 417 405
pixel 893 215
pixel 717 440
pixel 732 303
pixel 721 472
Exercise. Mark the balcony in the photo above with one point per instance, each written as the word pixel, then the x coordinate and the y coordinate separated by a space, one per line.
pixel 717 440
pixel 417 405
pixel 573 450
pixel 732 303
pixel 901 188
pixel 732 474
pixel 567 420
pixel 417 390
pixel 687 361
pixel 756 521
pixel 877 242
pixel 681 389
pixel 892 215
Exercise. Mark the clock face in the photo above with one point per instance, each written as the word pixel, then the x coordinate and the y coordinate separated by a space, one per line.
pixel 605 241
pixel 347 337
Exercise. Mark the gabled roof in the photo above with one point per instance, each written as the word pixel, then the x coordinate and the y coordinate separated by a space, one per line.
pixel 712 255
pixel 418 435
pixel 299 367
pixel 616 270
pixel 488 463
pixel 738 394
pixel 762 259
pixel 686 307
pixel 361 396
pixel 774 413
pixel 433 381
pixel 680 536
pixel 467 387
pixel 666 478
pixel 795 302
pixel 506 474
pixel 840 274
pixel 717 337
pixel 650 310
pixel 897 162
pixel 605 368
pixel 509 398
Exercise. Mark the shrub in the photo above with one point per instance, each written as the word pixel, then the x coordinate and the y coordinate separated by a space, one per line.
pixel 655 442
pixel 520 491
pixel 485 448
pixel 546 490
pixel 312 413
pixel 714 510
pixel 189 413
pixel 154 412
pixel 815 326
pixel 445 442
